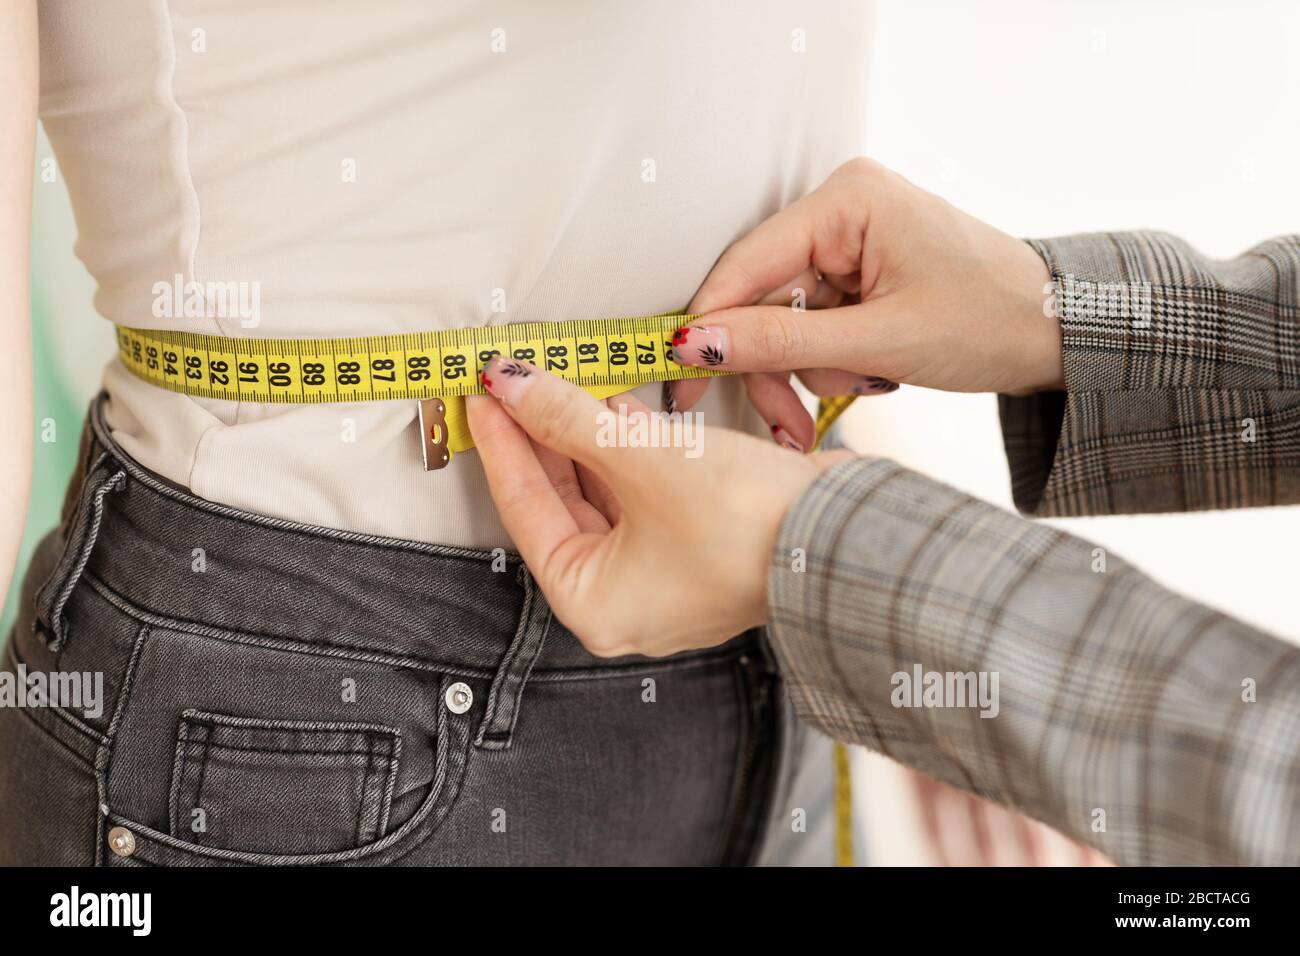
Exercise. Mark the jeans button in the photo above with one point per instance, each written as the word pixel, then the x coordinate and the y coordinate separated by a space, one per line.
pixel 121 841
pixel 459 698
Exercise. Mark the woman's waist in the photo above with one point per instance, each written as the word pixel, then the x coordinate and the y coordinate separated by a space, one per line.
pixel 164 550
pixel 353 467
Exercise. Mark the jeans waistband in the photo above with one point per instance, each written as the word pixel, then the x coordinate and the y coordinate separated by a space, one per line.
pixel 156 546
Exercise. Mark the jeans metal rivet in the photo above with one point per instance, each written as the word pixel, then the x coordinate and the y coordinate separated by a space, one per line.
pixel 121 841
pixel 459 698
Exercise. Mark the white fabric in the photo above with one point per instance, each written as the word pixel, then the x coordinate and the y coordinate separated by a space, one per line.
pixel 496 146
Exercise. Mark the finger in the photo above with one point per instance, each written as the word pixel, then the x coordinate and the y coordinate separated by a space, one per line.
pixel 779 405
pixel 832 381
pixel 805 283
pixel 1034 837
pixel 977 825
pixel 556 414
pixel 805 291
pixel 823 296
pixel 848 284
pixel 825 460
pixel 1011 841
pixel 628 403
pixel 599 495
pixel 946 815
pixel 681 396
pixel 530 508
pixel 768 338
pixel 1061 850
pixel 596 491
pixel 564 478
pixel 962 843
pixel 816 230
pixel 1091 857
pixel 926 790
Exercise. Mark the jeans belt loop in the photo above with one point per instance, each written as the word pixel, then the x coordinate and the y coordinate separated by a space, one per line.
pixel 80 533
pixel 507 689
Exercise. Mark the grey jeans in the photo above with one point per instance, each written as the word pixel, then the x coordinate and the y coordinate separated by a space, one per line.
pixel 281 694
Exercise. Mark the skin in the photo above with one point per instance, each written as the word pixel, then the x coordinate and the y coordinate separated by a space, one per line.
pixel 634 560
pixel 602 529
pixel 911 290
pixel 632 554
pixel 18 80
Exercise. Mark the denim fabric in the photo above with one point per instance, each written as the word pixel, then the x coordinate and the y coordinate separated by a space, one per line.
pixel 283 694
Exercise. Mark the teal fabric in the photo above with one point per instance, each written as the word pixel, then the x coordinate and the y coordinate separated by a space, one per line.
pixel 53 461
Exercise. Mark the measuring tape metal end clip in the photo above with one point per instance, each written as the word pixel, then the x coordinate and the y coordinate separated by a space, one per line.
pixel 435 369
pixel 434 434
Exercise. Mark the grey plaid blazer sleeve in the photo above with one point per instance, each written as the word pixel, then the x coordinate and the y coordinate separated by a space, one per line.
pixel 1151 727
pixel 1182 381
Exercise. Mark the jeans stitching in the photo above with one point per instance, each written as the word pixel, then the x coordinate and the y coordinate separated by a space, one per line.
pixel 376 736
pixel 180 764
pixel 506 677
pixel 422 826
pixel 68 717
pixel 505 736
pixel 69 525
pixel 227 721
pixel 386 799
pixel 735 807
pixel 188 498
pixel 104 754
pixel 309 648
pixel 365 782
pixel 203 779
pixel 89 536
pixel 46 734
pixel 289 752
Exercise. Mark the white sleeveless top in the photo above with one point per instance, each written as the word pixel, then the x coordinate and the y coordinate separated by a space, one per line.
pixel 358 168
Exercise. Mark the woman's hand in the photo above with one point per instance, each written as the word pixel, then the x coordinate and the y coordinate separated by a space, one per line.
pixel 645 550
pixel 900 287
pixel 961 829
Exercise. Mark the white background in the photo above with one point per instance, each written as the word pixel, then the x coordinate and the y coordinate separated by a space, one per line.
pixel 1051 118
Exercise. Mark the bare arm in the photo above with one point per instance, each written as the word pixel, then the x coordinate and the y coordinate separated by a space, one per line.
pixel 18 81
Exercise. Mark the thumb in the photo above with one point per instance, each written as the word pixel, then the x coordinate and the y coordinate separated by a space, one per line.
pixel 553 412
pixel 776 338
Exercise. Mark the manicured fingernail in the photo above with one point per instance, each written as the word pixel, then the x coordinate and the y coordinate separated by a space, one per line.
pixel 507 379
pixel 668 400
pixel 873 385
pixel 697 345
pixel 785 439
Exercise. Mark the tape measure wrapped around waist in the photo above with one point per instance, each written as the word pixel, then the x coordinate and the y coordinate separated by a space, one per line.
pixel 603 356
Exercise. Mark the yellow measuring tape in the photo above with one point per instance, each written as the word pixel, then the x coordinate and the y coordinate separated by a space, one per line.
pixel 438 369
pixel 828 410
pixel 603 356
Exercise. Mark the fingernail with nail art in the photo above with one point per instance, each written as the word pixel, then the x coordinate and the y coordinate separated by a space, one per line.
pixel 874 385
pixel 700 346
pixel 668 398
pixel 507 379
pixel 785 439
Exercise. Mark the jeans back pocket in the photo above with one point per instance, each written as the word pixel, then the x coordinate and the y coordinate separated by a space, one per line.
pixel 281 786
